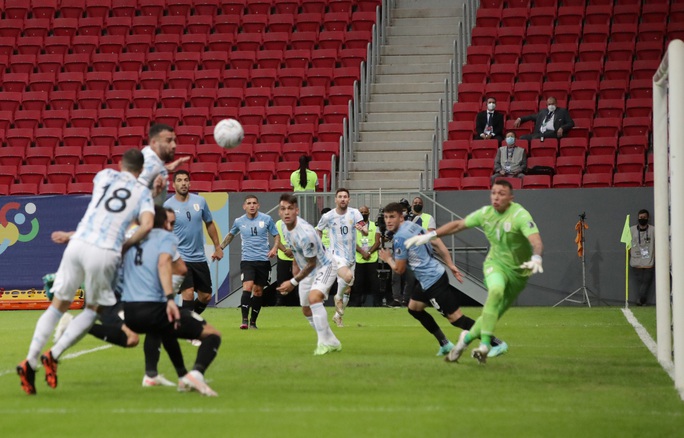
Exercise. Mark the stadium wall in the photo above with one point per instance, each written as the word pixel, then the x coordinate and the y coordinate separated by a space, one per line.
pixel 23 260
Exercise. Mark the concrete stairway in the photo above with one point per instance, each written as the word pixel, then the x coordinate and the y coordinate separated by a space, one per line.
pixel 405 96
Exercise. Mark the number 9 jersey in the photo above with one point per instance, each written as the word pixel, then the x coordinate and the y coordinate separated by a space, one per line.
pixel 118 200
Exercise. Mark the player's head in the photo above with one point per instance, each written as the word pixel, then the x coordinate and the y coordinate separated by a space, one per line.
pixel 160 217
pixel 162 141
pixel 288 209
pixel 251 205
pixel 170 219
pixel 501 195
pixel 181 182
pixel 418 204
pixel 394 216
pixel 342 198
pixel 132 161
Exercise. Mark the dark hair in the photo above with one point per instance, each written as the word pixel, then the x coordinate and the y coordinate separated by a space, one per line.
pixel 158 128
pixel 325 210
pixel 303 166
pixel 644 211
pixel 505 183
pixel 181 172
pixel 133 160
pixel 394 207
pixel 250 197
pixel 159 216
pixel 289 198
pixel 341 189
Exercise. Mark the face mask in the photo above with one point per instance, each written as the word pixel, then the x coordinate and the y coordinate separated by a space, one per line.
pixel 643 222
pixel 417 208
pixel 491 106
pixel 552 108
pixel 510 141
pixel 365 217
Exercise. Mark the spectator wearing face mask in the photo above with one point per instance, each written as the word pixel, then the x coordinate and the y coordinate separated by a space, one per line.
pixel 642 256
pixel 551 122
pixel 426 221
pixel 366 281
pixel 490 123
pixel 510 160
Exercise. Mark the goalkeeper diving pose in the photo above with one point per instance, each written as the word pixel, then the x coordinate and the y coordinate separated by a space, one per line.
pixel 515 254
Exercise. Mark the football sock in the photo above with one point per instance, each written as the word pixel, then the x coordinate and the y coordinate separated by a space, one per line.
pixel 320 322
pixel 76 330
pixel 311 323
pixel 44 327
pixel 430 325
pixel 207 352
pixel 244 304
pixel 463 323
pixel 496 341
pixel 256 308
pixel 188 304
pixel 199 306
pixel 109 333
pixel 345 300
pixel 152 349
pixel 175 355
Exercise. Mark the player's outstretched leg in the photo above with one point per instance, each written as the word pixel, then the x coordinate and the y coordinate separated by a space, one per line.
pixel 458 350
pixel 27 376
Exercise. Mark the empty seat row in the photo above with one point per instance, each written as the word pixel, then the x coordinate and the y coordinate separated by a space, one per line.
pixel 565 181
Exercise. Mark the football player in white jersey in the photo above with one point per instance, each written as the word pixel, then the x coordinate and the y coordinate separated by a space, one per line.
pixel 316 274
pixel 92 257
pixel 159 160
pixel 342 223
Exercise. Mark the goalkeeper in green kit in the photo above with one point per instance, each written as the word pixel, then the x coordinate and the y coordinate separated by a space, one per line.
pixel 514 254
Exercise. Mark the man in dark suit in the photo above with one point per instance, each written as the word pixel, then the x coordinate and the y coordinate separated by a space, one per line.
pixel 490 123
pixel 552 122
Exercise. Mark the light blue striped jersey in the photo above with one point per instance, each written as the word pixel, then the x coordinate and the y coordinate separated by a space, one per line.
pixel 190 216
pixel 118 200
pixel 305 244
pixel 254 233
pixel 153 167
pixel 140 267
pixel 420 258
pixel 342 232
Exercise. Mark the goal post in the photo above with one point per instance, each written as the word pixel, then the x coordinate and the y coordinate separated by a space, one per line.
pixel 668 185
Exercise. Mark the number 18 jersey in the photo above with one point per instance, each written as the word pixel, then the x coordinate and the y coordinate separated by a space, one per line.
pixel 118 200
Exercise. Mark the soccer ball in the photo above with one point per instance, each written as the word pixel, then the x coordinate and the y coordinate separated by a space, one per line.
pixel 228 133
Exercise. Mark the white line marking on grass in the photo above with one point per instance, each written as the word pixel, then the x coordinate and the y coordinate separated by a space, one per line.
pixel 68 356
pixel 650 344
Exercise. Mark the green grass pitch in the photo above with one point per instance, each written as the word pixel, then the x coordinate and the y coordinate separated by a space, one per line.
pixel 569 372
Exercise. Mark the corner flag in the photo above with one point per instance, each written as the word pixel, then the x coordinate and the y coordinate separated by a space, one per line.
pixel 626 238
pixel 626 235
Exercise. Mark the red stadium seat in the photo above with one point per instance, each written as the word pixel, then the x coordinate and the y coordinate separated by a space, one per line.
pixel 570 165
pixel 225 186
pixel 567 181
pixel 452 168
pixel 475 183
pixel 592 180
pixel 447 184
pixel 600 164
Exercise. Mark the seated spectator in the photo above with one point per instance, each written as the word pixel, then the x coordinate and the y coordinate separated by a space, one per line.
pixel 552 122
pixel 490 123
pixel 510 160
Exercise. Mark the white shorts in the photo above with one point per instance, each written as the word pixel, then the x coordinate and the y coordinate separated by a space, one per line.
pixel 321 279
pixel 340 262
pixel 83 263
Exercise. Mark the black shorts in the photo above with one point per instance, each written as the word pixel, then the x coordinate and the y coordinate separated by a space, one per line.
pixel 198 277
pixel 147 317
pixel 258 272
pixel 441 295
pixel 112 315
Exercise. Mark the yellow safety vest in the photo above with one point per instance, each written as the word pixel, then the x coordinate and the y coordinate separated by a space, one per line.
pixel 425 220
pixel 281 253
pixel 366 242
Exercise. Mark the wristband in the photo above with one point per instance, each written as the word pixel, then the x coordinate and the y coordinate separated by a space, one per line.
pixel 294 282
pixel 536 258
pixel 171 297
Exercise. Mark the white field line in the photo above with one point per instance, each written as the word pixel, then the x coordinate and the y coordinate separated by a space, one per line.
pixel 68 356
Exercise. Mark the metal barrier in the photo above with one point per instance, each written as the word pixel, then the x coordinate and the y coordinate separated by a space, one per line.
pixel 357 106
pixel 446 102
